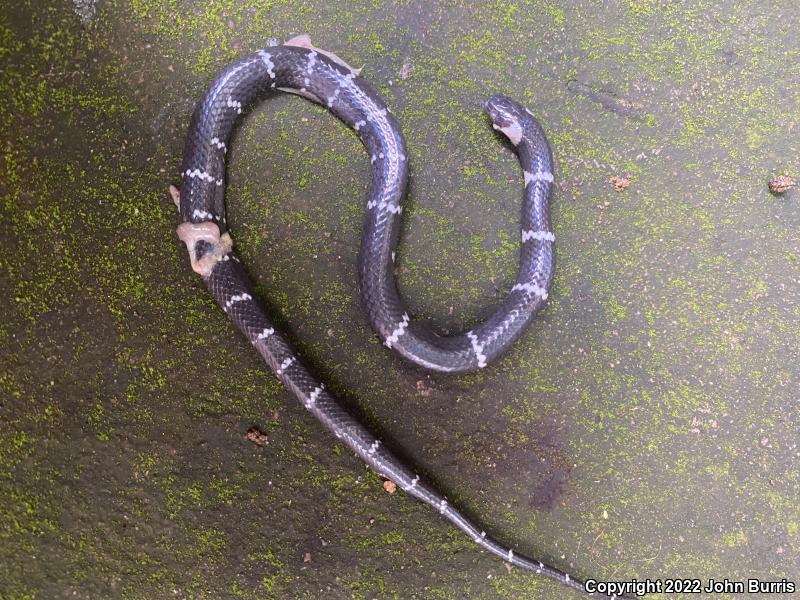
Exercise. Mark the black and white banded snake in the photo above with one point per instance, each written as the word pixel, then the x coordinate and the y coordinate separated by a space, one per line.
pixel 298 67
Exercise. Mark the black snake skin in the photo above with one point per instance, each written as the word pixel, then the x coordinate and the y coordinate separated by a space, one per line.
pixel 299 67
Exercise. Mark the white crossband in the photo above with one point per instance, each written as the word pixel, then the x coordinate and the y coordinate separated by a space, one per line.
pixel 399 330
pixel 442 506
pixel 202 175
pixel 332 99
pixel 510 555
pixel 530 288
pixel 265 334
pixel 215 141
pixel 312 398
pixel 266 57
pixel 477 349
pixel 231 103
pixel 392 208
pixel 414 483
pixel 237 298
pixel 285 364
pixel 374 447
pixel 202 214
pixel 541 236
pixel 538 176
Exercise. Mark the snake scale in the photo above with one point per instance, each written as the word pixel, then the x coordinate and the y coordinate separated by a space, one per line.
pixel 299 67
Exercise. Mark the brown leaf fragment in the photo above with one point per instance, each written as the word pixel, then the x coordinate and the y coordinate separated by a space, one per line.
pixel 781 183
pixel 390 486
pixel 255 435
pixel 620 183
pixel 423 389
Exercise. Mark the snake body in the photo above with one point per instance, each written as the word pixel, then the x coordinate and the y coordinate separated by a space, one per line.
pixel 299 67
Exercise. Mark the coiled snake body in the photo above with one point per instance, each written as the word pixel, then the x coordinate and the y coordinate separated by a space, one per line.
pixel 299 67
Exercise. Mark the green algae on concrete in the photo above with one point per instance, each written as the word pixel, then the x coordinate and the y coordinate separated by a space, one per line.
pixel 645 426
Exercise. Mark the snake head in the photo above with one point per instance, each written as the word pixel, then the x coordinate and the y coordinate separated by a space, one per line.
pixel 507 117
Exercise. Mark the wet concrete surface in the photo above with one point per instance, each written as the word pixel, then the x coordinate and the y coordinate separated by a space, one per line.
pixel 646 426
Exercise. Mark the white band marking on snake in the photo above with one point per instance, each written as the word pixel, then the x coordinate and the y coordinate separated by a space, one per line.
pixel 383 205
pixel 266 58
pixel 478 349
pixel 531 288
pixel 538 176
pixel 332 99
pixel 265 334
pixel 542 236
pixel 202 175
pixel 400 330
pixel 215 141
pixel 312 398
pixel 235 104
pixel 285 365
pixel 238 298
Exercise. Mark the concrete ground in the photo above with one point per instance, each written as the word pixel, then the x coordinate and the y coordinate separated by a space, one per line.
pixel 646 426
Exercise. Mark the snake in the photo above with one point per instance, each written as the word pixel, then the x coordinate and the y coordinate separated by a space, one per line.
pixel 298 67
